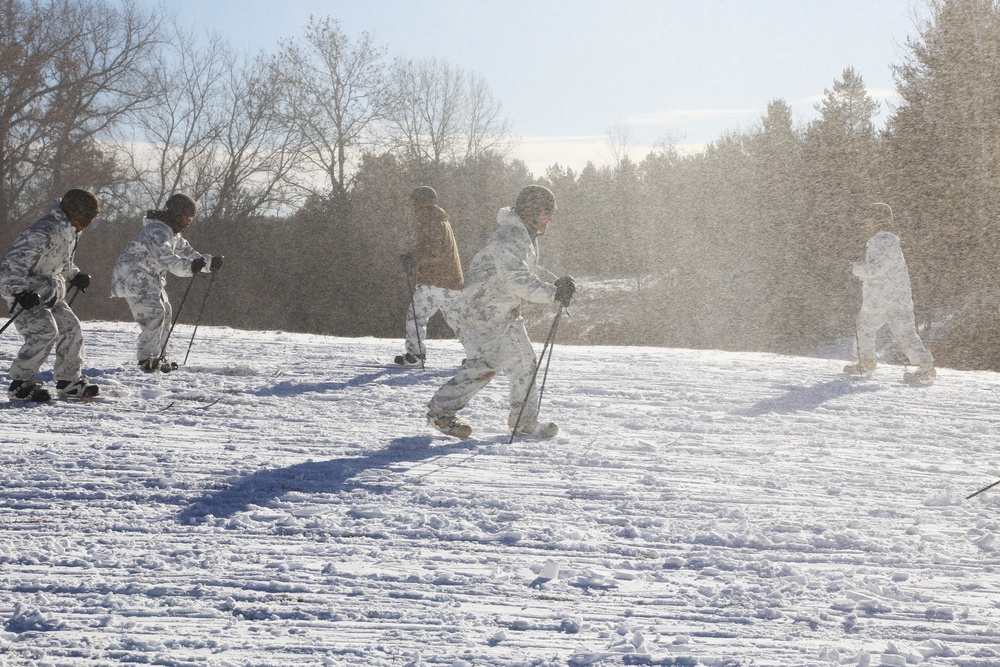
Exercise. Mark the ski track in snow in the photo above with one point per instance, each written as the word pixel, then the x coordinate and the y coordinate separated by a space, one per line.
pixel 698 508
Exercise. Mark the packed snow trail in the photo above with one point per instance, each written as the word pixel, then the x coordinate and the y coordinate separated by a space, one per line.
pixel 291 507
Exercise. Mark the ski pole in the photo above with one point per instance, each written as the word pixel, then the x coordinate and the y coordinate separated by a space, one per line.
pixel 549 343
pixel 75 294
pixel 411 279
pixel 545 375
pixel 985 488
pixel 11 320
pixel 177 316
pixel 198 321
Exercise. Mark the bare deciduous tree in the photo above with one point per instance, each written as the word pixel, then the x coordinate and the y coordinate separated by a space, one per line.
pixel 426 118
pixel 620 142
pixel 170 145
pixel 487 129
pixel 70 70
pixel 442 114
pixel 256 149
pixel 334 94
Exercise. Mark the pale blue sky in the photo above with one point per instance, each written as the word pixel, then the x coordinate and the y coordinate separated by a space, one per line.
pixel 568 70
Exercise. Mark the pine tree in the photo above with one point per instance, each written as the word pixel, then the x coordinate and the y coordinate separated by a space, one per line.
pixel 943 146
pixel 841 149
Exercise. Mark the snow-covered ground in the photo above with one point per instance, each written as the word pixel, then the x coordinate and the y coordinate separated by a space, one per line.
pixel 280 501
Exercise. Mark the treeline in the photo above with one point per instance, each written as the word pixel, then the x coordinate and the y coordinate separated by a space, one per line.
pixel 748 245
pixel 301 158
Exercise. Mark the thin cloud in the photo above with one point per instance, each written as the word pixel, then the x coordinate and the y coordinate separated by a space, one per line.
pixel 878 94
pixel 574 151
pixel 684 115
pixel 883 93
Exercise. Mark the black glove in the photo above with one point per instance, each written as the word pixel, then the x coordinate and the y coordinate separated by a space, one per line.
pixel 565 288
pixel 216 263
pixel 408 264
pixel 80 281
pixel 27 300
pixel 197 265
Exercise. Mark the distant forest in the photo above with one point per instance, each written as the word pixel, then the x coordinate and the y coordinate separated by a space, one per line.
pixel 302 156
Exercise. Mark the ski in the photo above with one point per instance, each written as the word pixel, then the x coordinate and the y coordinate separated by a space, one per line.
pixel 196 407
pixel 173 404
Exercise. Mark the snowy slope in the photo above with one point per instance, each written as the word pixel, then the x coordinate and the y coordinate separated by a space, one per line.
pixel 280 502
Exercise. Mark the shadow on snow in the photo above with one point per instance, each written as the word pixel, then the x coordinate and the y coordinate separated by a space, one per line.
pixel 803 399
pixel 388 376
pixel 316 477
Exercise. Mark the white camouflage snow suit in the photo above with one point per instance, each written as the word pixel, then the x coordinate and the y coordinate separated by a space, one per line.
pixel 41 261
pixel 486 316
pixel 140 277
pixel 887 300
pixel 426 300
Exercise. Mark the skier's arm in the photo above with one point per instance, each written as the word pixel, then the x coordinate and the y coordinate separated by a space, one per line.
pixel 545 274
pixel 19 261
pixel 185 250
pixel 70 270
pixel 178 263
pixel 879 258
pixel 514 271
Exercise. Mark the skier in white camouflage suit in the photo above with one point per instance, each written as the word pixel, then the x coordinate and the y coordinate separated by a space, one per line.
pixel 434 269
pixel 486 316
pixel 140 275
pixel 887 300
pixel 34 277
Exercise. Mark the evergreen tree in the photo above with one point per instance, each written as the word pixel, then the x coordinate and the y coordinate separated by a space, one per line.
pixel 943 152
pixel 841 150
pixel 784 309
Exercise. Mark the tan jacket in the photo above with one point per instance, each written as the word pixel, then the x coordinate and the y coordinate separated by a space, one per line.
pixel 436 253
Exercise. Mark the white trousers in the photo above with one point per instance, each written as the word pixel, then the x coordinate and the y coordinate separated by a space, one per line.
pixel 904 331
pixel 427 300
pixel 44 328
pixel 152 313
pixel 510 352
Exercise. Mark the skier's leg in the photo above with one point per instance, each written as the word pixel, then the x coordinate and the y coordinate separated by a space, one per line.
pixel 455 394
pixel 518 363
pixel 69 343
pixel 868 324
pixel 152 314
pixel 446 296
pixel 38 328
pixel 421 308
pixel 904 329
pixel 477 371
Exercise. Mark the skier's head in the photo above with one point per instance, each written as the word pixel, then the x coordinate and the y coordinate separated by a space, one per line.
pixel 181 204
pixel 878 218
pixel 535 206
pixel 178 212
pixel 80 207
pixel 423 196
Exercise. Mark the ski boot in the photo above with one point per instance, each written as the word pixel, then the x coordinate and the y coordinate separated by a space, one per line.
pixel 923 375
pixel 28 391
pixel 166 365
pixel 453 425
pixel 538 429
pixel 861 368
pixel 409 359
pixel 81 389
